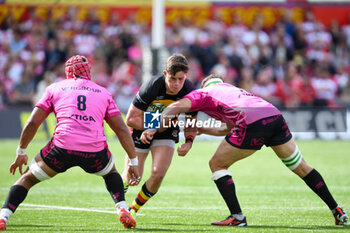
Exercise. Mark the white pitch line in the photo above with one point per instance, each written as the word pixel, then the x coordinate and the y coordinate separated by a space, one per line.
pixel 53 207
pixel 248 208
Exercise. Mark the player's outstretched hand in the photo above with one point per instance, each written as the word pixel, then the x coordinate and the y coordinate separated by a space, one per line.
pixel 147 135
pixel 134 175
pixel 18 163
pixel 184 148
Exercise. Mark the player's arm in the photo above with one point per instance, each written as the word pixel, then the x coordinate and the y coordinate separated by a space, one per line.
pixel 190 134
pixel 134 117
pixel 147 93
pixel 222 131
pixel 36 118
pixel 121 130
pixel 34 121
pixel 174 109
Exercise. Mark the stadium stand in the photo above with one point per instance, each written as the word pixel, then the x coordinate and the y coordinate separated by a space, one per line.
pixel 289 63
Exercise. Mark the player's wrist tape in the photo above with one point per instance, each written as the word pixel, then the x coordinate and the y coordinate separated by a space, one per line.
pixel 189 139
pixel 20 151
pixel 133 162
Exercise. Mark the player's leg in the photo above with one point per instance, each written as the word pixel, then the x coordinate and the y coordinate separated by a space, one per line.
pixel 224 157
pixel 102 164
pixel 161 160
pixel 141 155
pixel 162 154
pixel 291 156
pixel 37 171
pixel 141 151
pixel 114 185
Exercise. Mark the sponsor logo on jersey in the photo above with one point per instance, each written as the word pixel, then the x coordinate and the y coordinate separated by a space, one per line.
pixel 154 107
pixel 82 117
pixel 81 89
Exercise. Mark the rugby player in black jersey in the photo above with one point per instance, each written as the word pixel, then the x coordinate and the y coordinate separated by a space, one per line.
pixel 156 94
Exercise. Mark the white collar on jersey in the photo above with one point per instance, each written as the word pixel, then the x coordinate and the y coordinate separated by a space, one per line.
pixel 213 81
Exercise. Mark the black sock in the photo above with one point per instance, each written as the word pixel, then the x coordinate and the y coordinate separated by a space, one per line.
pixel 146 191
pixel 16 196
pixel 315 181
pixel 115 187
pixel 226 187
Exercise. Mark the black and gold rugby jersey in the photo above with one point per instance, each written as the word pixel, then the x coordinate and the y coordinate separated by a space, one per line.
pixel 152 96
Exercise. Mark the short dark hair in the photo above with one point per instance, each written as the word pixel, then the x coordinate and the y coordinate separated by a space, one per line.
pixel 211 76
pixel 175 63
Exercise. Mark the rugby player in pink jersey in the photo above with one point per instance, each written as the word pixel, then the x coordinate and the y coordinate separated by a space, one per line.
pixel 80 106
pixel 251 122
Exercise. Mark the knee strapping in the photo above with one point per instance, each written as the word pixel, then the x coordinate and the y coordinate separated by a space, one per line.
pixel 39 173
pixel 294 160
pixel 221 173
pixel 107 169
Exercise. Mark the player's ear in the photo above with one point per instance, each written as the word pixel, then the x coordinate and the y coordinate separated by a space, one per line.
pixel 165 73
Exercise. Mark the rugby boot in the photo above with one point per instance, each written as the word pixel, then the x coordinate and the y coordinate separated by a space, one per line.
pixel 340 216
pixel 126 219
pixel 2 225
pixel 231 221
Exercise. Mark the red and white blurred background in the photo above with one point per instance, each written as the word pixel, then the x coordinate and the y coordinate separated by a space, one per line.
pixel 294 53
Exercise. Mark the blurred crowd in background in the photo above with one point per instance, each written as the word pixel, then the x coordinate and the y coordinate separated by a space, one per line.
pixel 290 64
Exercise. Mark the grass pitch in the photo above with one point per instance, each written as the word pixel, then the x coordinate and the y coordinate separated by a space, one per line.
pixel 272 197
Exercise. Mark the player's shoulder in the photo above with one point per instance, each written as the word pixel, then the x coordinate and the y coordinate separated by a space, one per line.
pixel 189 84
pixel 153 85
pixel 157 81
pixel 187 87
pixel 98 88
pixel 72 84
pixel 57 84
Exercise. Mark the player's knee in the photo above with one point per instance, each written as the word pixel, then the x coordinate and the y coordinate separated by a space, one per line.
pixel 113 170
pixel 212 164
pixel 37 171
pixel 294 160
pixel 110 173
pixel 215 165
pixel 303 169
pixel 220 173
pixel 27 180
pixel 31 179
pixel 158 175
